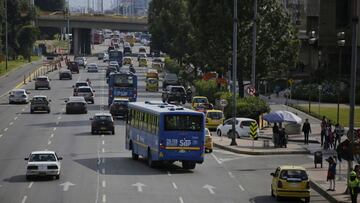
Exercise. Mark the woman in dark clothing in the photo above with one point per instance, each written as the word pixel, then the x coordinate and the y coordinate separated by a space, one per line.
pixel 331 173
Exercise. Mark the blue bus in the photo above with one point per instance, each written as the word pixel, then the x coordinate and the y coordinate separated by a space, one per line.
pixel 164 133
pixel 116 55
pixel 122 85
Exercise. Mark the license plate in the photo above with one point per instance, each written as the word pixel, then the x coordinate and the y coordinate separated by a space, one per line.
pixel 182 151
pixel 294 185
pixel 103 128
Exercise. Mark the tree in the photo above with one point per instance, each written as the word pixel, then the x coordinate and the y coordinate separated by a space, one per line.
pixel 50 5
pixel 26 37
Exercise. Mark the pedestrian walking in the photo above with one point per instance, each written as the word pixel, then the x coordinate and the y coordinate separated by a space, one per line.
pixel 339 132
pixel 353 185
pixel 328 133
pixel 331 173
pixel 323 127
pixel 282 138
pixel 307 130
pixel 275 131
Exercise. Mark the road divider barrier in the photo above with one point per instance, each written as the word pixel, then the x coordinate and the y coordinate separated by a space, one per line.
pixel 44 69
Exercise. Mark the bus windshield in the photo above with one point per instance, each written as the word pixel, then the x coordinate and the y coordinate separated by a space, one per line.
pixel 123 80
pixel 183 122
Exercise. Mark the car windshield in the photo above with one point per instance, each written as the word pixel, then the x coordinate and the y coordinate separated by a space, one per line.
pixel 293 174
pixel 39 99
pixel 178 89
pixel 200 100
pixel 84 90
pixel 215 115
pixel 183 122
pixel 123 80
pixel 152 81
pixel 103 118
pixel 18 92
pixel 81 84
pixel 41 79
pixel 171 77
pixel 42 157
pixel 246 123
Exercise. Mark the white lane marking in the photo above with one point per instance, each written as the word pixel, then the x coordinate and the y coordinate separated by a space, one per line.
pixel 6 129
pixel 103 150
pixel 22 109
pixel 216 159
pixel 49 142
pixel 174 185
pixel 139 186
pixel 241 188
pixel 11 123
pixel 181 200
pixel 103 198
pixel 30 185
pixel 231 175
pixel 15 118
pixel 169 174
pixel 54 129
pixel 103 183
pixel 103 170
pixel 66 185
pixel 24 199
pixel 103 142
pixel 59 117
pixel 52 135
pixel 1 135
pixel 97 187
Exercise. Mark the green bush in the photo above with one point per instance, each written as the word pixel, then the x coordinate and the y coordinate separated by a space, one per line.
pixel 206 88
pixel 249 107
pixel 172 65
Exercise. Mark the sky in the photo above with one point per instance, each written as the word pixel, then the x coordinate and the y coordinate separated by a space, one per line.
pixel 82 3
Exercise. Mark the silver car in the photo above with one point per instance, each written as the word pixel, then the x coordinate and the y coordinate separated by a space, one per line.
pixel 86 92
pixel 19 96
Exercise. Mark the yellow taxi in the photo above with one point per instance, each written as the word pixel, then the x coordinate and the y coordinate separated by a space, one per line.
pixel 290 181
pixel 127 61
pixel 152 73
pixel 156 66
pixel 208 141
pixel 197 100
pixel 214 118
pixel 142 62
pixel 152 84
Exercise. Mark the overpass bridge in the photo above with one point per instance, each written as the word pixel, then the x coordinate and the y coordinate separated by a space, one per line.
pixel 81 25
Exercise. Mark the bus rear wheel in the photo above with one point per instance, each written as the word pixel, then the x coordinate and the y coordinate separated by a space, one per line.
pixel 150 162
pixel 188 164
pixel 133 155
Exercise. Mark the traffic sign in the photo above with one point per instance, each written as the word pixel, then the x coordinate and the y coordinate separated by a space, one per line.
pixel 251 91
pixel 223 103
pixel 253 130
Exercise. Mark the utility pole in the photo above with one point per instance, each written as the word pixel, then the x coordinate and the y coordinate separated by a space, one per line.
pixel 68 26
pixel 354 22
pixel 234 63
pixel 253 56
pixel 6 37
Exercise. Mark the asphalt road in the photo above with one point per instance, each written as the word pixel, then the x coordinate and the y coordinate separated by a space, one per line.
pixel 98 169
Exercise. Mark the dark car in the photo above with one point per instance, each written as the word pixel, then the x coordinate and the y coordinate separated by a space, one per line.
pixel 127 50
pixel 170 79
pixel 110 69
pixel 174 93
pixel 102 122
pixel 64 73
pixel 73 67
pixel 40 103
pixel 119 107
pixel 42 82
pixel 76 105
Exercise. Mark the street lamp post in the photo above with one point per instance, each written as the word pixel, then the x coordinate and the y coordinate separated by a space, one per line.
pixel 311 40
pixel 6 38
pixel 234 64
pixel 341 44
pixel 319 88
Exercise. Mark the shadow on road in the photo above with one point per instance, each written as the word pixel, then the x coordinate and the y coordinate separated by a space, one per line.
pixel 22 179
pixel 63 124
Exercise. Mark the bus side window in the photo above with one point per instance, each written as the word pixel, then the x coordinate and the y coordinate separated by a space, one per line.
pixel 136 119
pixel 152 124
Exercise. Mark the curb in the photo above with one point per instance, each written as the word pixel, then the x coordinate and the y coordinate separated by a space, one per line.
pixel 292 140
pixel 239 151
pixel 323 192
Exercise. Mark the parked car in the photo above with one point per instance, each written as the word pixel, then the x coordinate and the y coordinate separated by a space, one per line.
pixel 119 107
pixel 242 127
pixel 43 163
pixel 76 105
pixel 79 84
pixel 40 103
pixel 170 79
pixel 209 145
pixel 290 181
pixel 92 67
pixel 64 73
pixel 73 66
pixel 102 122
pixel 86 92
pixel 174 93
pixel 42 82
pixel 19 96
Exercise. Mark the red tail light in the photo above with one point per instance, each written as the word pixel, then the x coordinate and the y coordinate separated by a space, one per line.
pixel 279 184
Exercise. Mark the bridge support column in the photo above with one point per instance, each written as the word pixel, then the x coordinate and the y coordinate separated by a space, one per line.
pixel 81 41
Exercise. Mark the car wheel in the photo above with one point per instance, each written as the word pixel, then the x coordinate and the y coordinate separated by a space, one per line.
pixel 307 199
pixel 28 177
pixel 150 162
pixel 188 165
pixel 272 193
pixel 57 177
pixel 60 78
pixel 49 88
pixel 184 101
pixel 113 132
pixel 85 112
pixel 48 111
pixel 36 88
pixel 92 131
pixel 218 132
pixel 31 111
pixel 210 150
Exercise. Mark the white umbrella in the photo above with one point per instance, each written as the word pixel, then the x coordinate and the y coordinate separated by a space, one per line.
pixel 282 116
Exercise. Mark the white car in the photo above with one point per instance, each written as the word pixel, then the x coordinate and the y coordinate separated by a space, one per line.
pixel 19 96
pixel 106 57
pixel 242 127
pixel 43 163
pixel 92 67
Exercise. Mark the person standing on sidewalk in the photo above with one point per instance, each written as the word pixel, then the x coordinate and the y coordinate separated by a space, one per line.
pixel 353 185
pixel 323 129
pixel 339 132
pixel 275 131
pixel 307 130
pixel 331 173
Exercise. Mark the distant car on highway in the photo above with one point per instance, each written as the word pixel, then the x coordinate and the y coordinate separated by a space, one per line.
pixel 43 163
pixel 110 69
pixel 127 50
pixel 92 67
pixel 106 57
pixel 143 62
pixel 174 93
pixel 170 79
pixel 19 96
pixel 127 60
pixel 141 55
pixel 42 82
pixel 73 66
pixel 76 105
pixel 79 84
pixel 40 103
pixel 87 92
pixel 242 127
pixel 102 122
pixel 82 61
pixel 119 107
pixel 214 118
pixel 64 73
pixel 115 63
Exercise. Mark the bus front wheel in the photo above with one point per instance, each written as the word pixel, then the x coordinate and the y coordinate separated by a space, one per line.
pixel 133 155
pixel 188 164
pixel 150 162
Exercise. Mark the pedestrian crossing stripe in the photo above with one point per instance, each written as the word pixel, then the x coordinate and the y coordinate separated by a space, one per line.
pixel 253 130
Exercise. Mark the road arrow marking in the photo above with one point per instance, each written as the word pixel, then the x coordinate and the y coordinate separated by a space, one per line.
pixel 210 188
pixel 66 185
pixel 139 186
